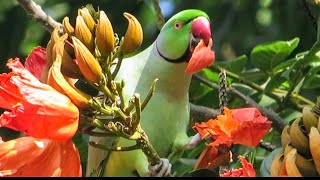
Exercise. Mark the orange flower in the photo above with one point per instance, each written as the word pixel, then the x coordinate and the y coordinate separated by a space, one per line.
pixel 247 170
pixel 36 108
pixel 28 156
pixel 244 126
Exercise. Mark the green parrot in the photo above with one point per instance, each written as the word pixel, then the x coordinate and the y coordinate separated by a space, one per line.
pixel 166 117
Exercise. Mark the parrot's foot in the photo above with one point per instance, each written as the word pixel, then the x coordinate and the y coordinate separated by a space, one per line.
pixel 194 141
pixel 163 169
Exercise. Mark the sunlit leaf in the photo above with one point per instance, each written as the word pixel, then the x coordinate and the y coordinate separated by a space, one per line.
pixel 274 82
pixel 210 75
pixel 267 56
pixel 284 65
pixel 255 76
pixel 313 56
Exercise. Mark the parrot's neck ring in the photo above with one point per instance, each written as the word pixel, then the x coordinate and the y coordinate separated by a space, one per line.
pixel 183 58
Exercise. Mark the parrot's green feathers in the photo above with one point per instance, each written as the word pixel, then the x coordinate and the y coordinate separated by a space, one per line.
pixel 174 38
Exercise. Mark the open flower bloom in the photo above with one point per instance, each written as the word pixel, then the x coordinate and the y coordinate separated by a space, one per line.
pixel 35 108
pixel 247 170
pixel 28 156
pixel 244 126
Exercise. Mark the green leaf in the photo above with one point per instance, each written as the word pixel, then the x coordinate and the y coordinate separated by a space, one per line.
pixel 289 115
pixel 313 56
pixel 275 82
pixel 266 101
pixel 312 82
pixel 255 76
pixel 284 65
pixel 269 55
pixel 81 141
pixel 236 65
pixel 313 77
pixel 197 90
pixel 212 76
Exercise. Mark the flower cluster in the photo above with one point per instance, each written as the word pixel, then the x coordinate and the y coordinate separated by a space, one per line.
pixel 244 126
pixel 42 101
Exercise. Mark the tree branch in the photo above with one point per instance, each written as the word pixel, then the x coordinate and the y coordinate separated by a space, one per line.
pixel 37 14
pixel 256 87
pixel 160 19
pixel 202 113
pixel 278 122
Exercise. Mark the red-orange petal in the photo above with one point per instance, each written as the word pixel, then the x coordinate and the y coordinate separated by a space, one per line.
pixel 39 111
pixel 9 94
pixel 211 158
pixel 244 126
pixel 252 126
pixel 202 57
pixel 28 156
pixel 250 133
pixel 70 163
pixel 36 61
pixel 247 170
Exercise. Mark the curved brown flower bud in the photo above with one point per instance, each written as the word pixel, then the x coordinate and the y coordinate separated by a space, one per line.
pixel 49 52
pixel 67 27
pixel 68 68
pixel 61 84
pixel 87 63
pixel 134 35
pixel 44 74
pixel 88 19
pixel 83 33
pixel 54 38
pixel 105 40
pixel 58 46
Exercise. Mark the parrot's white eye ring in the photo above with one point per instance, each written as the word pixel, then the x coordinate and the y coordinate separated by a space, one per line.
pixel 177 25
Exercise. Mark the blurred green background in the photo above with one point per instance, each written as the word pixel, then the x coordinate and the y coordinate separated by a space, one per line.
pixel 237 27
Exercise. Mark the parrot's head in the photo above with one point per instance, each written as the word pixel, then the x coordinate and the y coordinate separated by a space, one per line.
pixel 186 38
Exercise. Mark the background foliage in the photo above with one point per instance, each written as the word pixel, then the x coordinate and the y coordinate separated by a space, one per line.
pixel 264 42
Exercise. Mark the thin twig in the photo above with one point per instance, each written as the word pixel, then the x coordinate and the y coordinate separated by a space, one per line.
pixel 202 113
pixel 267 146
pixel 278 122
pixel 37 14
pixel 256 87
pixel 312 18
pixel 160 19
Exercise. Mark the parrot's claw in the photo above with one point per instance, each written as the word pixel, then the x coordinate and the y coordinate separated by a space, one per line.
pixel 163 169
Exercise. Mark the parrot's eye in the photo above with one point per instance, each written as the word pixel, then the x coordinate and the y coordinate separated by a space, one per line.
pixel 177 25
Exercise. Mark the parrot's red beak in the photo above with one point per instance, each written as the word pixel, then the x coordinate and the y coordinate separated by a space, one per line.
pixel 200 45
